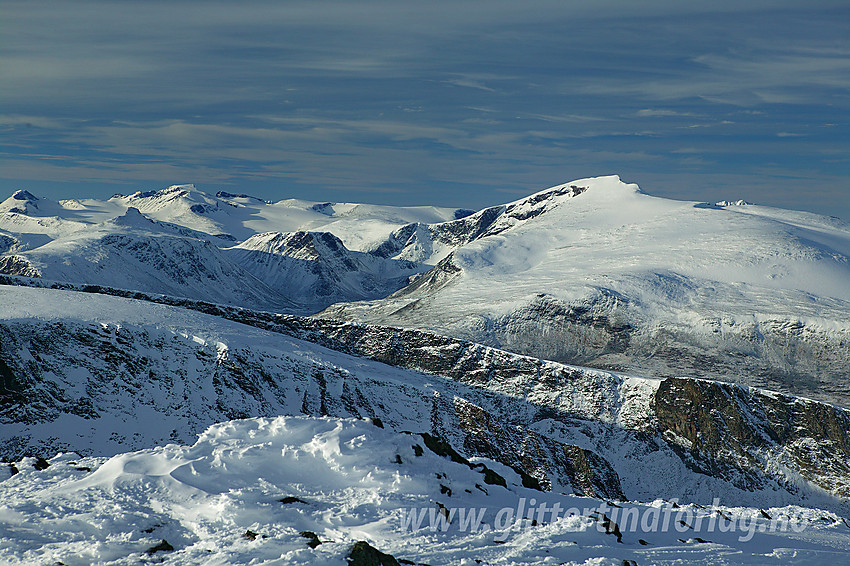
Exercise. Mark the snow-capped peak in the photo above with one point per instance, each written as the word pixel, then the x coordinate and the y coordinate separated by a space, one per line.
pixel 133 217
pixel 606 186
pixel 300 244
pixel 22 202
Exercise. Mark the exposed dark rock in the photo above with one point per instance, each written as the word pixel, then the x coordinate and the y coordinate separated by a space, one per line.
pixel 611 528
pixel 163 546
pixel 290 499
pixel 364 554
pixel 723 430
pixel 312 539
pixel 18 265
pixel 714 424
pixel 591 475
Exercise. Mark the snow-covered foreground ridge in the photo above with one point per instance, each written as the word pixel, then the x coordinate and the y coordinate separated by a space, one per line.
pixel 306 490
pixel 98 375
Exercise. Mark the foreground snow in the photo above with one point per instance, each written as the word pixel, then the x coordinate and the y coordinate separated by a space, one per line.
pixel 252 491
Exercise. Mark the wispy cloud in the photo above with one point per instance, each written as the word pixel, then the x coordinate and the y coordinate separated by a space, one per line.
pixel 660 113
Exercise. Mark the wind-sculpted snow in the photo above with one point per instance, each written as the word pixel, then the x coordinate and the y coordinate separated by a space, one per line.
pixel 306 490
pixel 566 428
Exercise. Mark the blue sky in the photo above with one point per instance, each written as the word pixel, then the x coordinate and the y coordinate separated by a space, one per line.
pixel 443 102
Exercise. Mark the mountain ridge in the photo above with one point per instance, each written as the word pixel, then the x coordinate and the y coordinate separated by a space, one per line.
pixel 777 441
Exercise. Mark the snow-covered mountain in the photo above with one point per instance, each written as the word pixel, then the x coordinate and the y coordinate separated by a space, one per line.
pixel 134 252
pixel 596 272
pixel 124 334
pixel 101 375
pixel 175 241
pixel 242 216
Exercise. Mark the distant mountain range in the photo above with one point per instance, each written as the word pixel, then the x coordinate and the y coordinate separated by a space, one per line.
pixel 179 241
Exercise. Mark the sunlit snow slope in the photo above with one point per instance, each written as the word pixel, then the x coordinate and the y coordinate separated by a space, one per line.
pixel 599 273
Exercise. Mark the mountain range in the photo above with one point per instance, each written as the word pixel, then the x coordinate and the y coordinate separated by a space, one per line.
pixel 589 344
pixel 594 272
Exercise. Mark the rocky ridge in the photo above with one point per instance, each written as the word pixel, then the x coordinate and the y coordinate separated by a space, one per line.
pixel 564 427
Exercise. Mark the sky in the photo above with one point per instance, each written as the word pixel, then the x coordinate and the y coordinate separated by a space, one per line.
pixel 452 103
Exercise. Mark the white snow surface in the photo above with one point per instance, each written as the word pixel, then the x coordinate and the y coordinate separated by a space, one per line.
pixel 616 236
pixel 222 501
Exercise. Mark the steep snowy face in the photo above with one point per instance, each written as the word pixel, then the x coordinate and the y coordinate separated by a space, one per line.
pixel 317 270
pixel 22 202
pixel 598 273
pixel 431 243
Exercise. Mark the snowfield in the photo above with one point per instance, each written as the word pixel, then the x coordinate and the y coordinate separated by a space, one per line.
pixel 260 491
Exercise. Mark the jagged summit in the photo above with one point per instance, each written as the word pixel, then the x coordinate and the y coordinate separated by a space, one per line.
pixel 171 191
pixel 132 217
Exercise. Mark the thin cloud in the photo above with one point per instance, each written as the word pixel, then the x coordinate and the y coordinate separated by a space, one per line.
pixel 661 113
